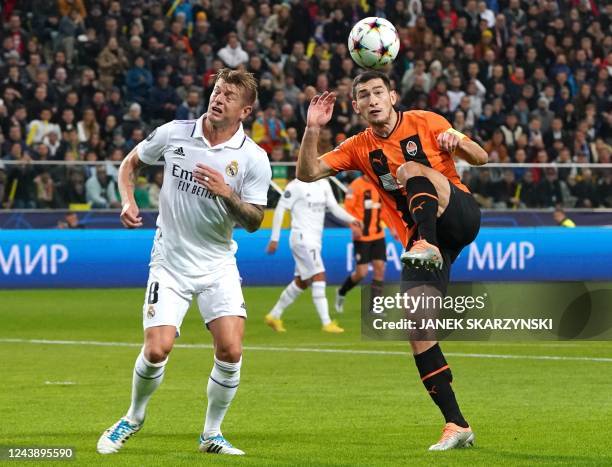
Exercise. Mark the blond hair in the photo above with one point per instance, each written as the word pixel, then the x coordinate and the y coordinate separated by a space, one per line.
pixel 242 79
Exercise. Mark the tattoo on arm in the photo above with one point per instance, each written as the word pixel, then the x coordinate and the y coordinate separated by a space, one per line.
pixel 247 215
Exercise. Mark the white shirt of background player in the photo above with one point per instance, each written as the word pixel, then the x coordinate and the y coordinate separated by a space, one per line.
pixel 307 203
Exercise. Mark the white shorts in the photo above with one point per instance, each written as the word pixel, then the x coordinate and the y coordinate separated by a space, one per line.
pixel 308 260
pixel 169 294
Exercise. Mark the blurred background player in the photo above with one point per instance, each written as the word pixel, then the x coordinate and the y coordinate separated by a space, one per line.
pixel 369 247
pixel 307 203
pixel 208 162
pixel 410 155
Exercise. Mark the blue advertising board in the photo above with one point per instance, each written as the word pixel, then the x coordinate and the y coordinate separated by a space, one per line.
pixel 119 258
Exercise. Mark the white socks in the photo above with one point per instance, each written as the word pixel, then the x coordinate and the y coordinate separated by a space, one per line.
pixel 222 386
pixel 147 378
pixel 288 296
pixel 320 301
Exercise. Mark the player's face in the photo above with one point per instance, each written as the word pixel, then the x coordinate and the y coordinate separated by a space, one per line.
pixel 374 102
pixel 227 105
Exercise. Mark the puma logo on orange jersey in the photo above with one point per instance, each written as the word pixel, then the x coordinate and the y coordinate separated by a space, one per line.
pixel 420 206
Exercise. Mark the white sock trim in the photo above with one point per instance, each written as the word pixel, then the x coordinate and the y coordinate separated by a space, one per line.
pixel 229 367
pixel 153 365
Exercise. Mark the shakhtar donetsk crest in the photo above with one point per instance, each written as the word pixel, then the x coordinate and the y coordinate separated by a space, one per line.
pixel 232 169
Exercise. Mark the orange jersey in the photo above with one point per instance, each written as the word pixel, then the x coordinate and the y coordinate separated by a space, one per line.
pixel 363 202
pixel 412 139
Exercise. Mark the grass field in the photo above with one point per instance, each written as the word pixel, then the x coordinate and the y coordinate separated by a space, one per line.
pixel 305 398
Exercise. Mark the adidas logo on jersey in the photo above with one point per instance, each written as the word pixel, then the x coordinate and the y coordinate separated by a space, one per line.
pixel 179 151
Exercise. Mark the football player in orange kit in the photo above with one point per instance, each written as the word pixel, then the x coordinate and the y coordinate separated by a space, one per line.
pixel 409 155
pixel 364 203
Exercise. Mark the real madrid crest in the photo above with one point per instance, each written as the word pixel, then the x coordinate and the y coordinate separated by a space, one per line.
pixel 232 169
pixel 151 312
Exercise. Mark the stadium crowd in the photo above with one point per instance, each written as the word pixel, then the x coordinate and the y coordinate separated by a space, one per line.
pixel 87 80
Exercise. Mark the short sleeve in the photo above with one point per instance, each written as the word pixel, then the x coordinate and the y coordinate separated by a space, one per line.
pixel 289 197
pixel 436 123
pixel 343 157
pixel 152 147
pixel 257 182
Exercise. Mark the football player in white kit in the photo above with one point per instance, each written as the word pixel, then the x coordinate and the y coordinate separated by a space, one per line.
pixel 307 203
pixel 214 176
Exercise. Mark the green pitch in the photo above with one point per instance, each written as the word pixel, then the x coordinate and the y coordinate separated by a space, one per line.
pixel 305 398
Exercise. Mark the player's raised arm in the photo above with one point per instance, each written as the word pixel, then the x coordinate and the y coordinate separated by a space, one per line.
pixel 457 144
pixel 309 167
pixel 128 171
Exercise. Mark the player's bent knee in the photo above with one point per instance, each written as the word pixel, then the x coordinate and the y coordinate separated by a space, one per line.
pixel 408 170
pixel 229 353
pixel 157 353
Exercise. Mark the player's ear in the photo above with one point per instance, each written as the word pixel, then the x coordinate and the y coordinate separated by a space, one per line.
pixel 393 95
pixel 246 111
pixel 355 107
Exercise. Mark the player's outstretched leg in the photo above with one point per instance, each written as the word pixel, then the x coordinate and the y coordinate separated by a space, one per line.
pixel 287 297
pixel 437 378
pixel 223 382
pixel 146 379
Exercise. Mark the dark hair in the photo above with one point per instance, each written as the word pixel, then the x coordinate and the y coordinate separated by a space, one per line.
pixel 369 76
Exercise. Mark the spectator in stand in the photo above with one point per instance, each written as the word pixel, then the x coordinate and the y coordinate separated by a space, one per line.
pixel 496 147
pixel 101 190
pixel 164 100
pixel 20 191
pixel 549 189
pixel 507 195
pixel 88 127
pixel 268 130
pixel 483 188
pixel 139 81
pixel 131 120
pixel 42 127
pixel 585 190
pixel 476 63
pixel 511 130
pixel 191 108
pixel 232 54
pixel 141 193
pixel 528 191
pixel 46 195
pixel 112 62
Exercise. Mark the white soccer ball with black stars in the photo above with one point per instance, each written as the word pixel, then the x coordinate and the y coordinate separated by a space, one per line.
pixel 373 42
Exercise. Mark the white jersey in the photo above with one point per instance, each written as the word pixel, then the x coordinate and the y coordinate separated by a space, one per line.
pixel 307 203
pixel 194 227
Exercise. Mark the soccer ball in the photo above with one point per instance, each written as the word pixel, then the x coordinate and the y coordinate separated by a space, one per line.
pixel 373 42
